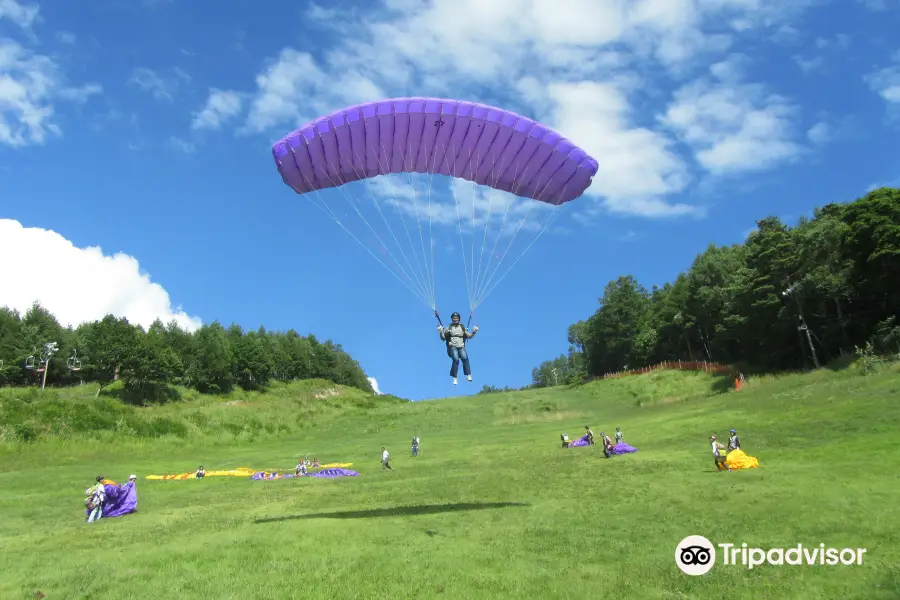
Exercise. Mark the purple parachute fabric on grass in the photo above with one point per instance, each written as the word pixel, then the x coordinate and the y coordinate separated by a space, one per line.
pixel 324 473
pixel 582 441
pixel 120 500
pixel 623 448
pixel 329 473
pixel 476 142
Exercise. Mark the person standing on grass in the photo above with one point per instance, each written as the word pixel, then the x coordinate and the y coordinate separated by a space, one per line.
pixel 385 460
pixel 717 448
pixel 620 437
pixel 96 497
pixel 734 442
pixel 415 445
pixel 589 434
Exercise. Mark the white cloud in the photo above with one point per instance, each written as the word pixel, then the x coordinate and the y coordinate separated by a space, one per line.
pixel 637 166
pixel 65 37
pixel 733 126
pixel 23 15
pixel 374 383
pixel 161 88
pixel 809 65
pixel 578 65
pixel 464 205
pixel 819 133
pixel 81 94
pixel 890 184
pixel 79 284
pixel 29 84
pixel 182 145
pixel 221 106
pixel 293 90
pixel 878 5
pixel 886 82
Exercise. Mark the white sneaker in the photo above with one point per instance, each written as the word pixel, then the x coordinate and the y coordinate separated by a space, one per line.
pixel 469 377
pixel 454 381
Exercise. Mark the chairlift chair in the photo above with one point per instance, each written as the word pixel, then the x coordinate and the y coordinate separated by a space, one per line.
pixel 30 362
pixel 73 363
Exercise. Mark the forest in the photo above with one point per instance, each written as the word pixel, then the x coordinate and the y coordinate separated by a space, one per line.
pixel 150 364
pixel 788 298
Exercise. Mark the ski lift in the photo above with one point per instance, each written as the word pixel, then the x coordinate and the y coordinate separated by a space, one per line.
pixel 73 363
pixel 30 362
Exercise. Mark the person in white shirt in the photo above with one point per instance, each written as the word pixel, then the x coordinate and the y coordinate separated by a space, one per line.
pixel 96 498
pixel 620 437
pixel 385 458
pixel 717 448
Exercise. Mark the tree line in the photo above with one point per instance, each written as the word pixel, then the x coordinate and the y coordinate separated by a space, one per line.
pixel 787 298
pixel 212 360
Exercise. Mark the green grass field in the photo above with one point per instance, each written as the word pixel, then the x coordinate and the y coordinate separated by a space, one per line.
pixel 492 507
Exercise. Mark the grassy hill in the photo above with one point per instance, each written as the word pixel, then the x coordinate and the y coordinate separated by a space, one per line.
pixel 492 507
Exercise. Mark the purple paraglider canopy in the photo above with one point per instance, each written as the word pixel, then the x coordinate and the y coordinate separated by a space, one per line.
pixel 620 448
pixel 329 473
pixel 324 473
pixel 582 441
pixel 623 448
pixel 476 142
pixel 120 500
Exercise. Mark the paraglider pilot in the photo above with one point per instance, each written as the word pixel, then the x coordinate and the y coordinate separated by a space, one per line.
pixel 456 335
pixel 96 498
pixel 734 442
pixel 607 444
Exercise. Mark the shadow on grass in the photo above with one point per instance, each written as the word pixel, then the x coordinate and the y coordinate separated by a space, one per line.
pixel 397 511
pixel 723 383
pixel 841 363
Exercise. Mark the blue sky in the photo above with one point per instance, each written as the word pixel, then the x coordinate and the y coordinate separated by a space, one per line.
pixel 136 171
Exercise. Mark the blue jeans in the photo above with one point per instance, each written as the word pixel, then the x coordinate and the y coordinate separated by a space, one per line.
pixel 458 354
pixel 96 514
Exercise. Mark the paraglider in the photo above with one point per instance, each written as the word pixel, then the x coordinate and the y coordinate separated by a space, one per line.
pixel 482 144
pixel 456 336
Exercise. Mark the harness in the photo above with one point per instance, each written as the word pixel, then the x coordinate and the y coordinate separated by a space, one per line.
pixel 447 340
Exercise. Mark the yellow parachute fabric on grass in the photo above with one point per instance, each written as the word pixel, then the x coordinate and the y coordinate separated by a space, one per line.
pixel 239 472
pixel 738 459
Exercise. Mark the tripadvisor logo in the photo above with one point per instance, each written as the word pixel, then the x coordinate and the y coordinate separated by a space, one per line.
pixel 696 555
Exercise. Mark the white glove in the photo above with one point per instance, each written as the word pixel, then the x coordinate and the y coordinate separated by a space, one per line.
pixel 475 329
pixel 440 327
